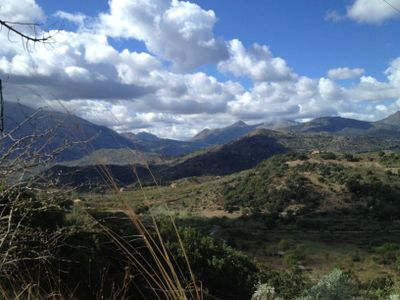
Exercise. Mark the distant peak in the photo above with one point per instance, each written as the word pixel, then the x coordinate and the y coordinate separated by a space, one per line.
pixel 144 133
pixel 393 119
pixel 146 136
pixel 239 123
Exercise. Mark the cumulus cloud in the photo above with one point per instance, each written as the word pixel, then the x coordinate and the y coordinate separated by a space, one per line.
pixel 373 11
pixel 133 91
pixel 257 62
pixel 21 11
pixel 345 73
pixel 178 31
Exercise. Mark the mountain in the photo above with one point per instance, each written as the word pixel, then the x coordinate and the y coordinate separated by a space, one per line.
pixel 226 159
pixel 219 160
pixel 223 135
pixel 235 131
pixel 392 120
pixel 52 130
pixel 211 152
pixel 204 139
pixel 235 156
pixel 332 125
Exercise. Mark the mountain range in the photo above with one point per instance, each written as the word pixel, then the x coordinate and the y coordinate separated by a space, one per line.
pixel 211 152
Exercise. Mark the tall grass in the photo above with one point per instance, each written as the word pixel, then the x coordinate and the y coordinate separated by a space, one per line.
pixel 152 261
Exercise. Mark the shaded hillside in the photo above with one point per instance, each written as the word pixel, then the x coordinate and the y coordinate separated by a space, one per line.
pixel 222 160
pixel 233 157
pixel 103 176
pixel 52 130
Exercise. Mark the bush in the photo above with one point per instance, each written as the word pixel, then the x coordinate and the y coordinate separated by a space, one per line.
pixel 292 257
pixel 350 157
pixel 265 292
pixel 328 155
pixel 286 284
pixel 335 286
pixel 226 273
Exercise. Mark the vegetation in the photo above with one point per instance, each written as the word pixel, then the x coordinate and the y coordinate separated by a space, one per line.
pixel 299 225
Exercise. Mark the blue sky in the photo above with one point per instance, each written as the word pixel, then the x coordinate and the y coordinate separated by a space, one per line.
pixel 208 63
pixel 295 30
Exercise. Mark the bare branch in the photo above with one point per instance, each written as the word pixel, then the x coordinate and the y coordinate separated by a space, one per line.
pixel 35 38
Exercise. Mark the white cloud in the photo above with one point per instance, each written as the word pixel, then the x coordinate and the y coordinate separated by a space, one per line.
pixel 345 73
pixel 381 108
pixel 20 11
pixel 178 31
pixel 134 68
pixel 77 73
pixel 132 91
pixel 329 90
pixel 373 11
pixel 370 89
pixel 77 18
pixel 258 63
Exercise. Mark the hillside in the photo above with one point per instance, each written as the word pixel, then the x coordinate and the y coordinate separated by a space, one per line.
pixel 299 184
pixel 248 151
pixel 297 210
pixel 393 120
pixel 52 130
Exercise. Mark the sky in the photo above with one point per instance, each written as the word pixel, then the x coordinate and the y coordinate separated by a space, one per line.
pixel 173 67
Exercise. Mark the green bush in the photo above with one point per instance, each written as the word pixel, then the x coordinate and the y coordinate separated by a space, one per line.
pixel 335 286
pixel 328 155
pixel 226 273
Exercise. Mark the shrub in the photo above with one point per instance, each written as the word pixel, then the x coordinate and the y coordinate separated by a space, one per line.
pixel 226 273
pixel 328 155
pixel 350 157
pixel 265 292
pixel 335 286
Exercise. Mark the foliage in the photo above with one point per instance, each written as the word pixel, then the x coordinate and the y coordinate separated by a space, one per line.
pixel 265 292
pixel 287 284
pixel 226 273
pixel 328 155
pixel 335 286
pixel 258 190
